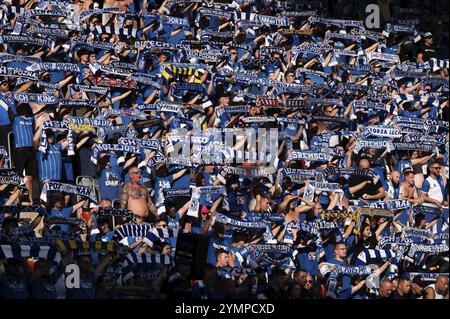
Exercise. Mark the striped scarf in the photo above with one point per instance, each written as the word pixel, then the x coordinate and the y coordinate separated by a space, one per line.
pixel 131 230
pixel 22 251
pixel 142 259
pixel 170 70
pixel 368 256
pixel 98 30
pixel 78 246
pixel 159 235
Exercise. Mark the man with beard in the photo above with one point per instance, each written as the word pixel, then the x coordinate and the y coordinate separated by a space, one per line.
pixel 437 290
pixel 393 186
pixel 135 197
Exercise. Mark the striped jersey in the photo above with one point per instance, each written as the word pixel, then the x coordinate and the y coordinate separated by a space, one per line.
pixel 23 131
pixel 50 164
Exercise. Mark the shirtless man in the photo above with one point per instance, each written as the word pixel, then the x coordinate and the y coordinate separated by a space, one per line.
pixel 408 189
pixel 134 196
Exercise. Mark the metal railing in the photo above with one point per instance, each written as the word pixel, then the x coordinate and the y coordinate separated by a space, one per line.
pixel 10 150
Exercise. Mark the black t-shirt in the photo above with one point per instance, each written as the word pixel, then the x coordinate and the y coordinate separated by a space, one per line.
pixel 369 189
pixel 428 52
pixel 396 295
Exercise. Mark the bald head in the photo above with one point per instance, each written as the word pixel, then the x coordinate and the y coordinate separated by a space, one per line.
pixel 364 164
pixel 386 287
pixel 395 177
pixel 441 284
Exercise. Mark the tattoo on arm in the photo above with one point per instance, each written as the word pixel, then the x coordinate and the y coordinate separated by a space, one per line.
pixel 124 197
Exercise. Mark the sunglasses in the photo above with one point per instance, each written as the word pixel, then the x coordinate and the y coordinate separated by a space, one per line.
pixel 309 281
pixel 438 168
pixel 136 173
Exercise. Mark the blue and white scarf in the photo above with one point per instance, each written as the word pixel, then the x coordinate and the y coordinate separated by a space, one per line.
pixel 145 259
pixel 84 191
pixel 56 125
pixel 381 131
pixel 368 256
pixel 10 177
pixel 18 72
pixel 50 253
pixel 309 156
pixel 393 240
pixel 418 233
pixel 394 204
pixel 325 268
pixel 31 40
pixel 338 22
pixel 4 57
pixel 131 230
pixel 100 147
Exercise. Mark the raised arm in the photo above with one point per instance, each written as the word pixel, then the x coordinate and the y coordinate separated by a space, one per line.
pixel 182 211
pixel 78 206
pixel 177 175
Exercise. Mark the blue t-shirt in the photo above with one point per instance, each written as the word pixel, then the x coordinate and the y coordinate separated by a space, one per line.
pixel 110 180
pixel 14 288
pixel 65 213
pixel 86 290
pixel 23 129
pixel 44 287
pixel 50 164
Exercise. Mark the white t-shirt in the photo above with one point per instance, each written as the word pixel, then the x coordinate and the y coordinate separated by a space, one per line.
pixel 436 294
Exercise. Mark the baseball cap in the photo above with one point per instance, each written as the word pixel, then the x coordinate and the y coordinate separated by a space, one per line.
pixel 428 35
